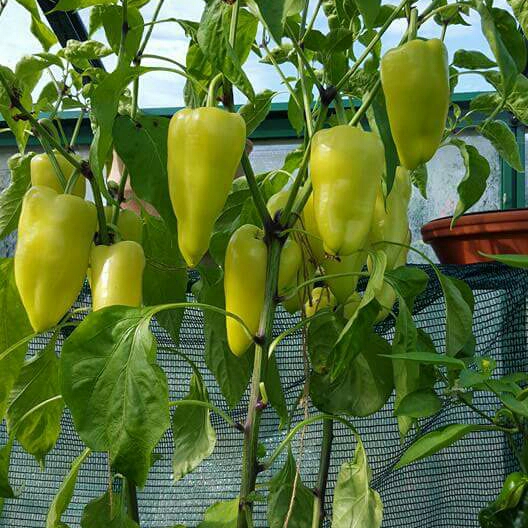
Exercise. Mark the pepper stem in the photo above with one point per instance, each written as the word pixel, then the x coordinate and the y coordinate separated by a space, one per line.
pixel 413 25
pixel 213 87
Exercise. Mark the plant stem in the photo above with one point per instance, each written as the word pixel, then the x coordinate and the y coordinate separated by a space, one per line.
pixel 166 59
pixel 322 477
pixel 213 87
pixel 150 29
pixel 340 110
pixel 124 31
pixel 133 509
pixel 370 46
pixel 41 131
pixel 260 204
pixel 283 77
pixel 77 129
pixel 366 104
pixel 413 25
pixel 234 22
pixel 306 99
pixel 312 20
pixel 286 214
pixel 120 196
pixel 303 58
pixel 252 425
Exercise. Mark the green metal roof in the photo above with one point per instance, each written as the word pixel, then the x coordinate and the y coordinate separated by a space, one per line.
pixel 276 125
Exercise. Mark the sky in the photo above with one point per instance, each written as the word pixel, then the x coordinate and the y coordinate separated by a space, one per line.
pixel 161 90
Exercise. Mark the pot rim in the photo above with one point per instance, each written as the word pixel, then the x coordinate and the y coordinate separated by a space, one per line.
pixel 501 221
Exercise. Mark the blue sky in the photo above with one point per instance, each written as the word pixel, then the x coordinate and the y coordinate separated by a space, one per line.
pixel 165 90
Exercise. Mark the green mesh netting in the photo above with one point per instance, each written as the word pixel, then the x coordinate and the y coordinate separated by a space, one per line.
pixel 446 490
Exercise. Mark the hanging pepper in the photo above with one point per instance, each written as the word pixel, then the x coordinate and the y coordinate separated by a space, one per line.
pixel 391 217
pixel 55 233
pixel 116 274
pixel 315 243
pixel 244 284
pixel 320 299
pixel 346 168
pixel 205 146
pixel 344 287
pixel 129 224
pixel 43 173
pixel 415 80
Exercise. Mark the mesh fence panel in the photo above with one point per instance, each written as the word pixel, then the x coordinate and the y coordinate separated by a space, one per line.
pixel 444 491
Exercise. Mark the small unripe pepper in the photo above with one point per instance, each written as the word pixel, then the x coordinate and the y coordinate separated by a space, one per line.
pixel 129 224
pixel 320 299
pixel 116 274
pixel 43 173
pixel 244 284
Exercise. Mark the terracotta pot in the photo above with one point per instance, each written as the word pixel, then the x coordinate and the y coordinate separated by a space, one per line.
pixel 495 232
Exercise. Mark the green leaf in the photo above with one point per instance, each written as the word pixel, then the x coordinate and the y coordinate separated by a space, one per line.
pixel 19 127
pixel 6 491
pixel 165 275
pixel 274 15
pixel 364 386
pixel 275 391
pixel 112 16
pixel 369 10
pixel 194 436
pixel 459 304
pixel 282 488
pixel 38 381
pixel 11 197
pixel 108 512
pixel 419 179
pixel 295 109
pixel 213 39
pixel 221 515
pixel 516 406
pixel 485 102
pixel 117 394
pixel 503 139
pixel 472 60
pixel 105 103
pixel 231 372
pixel 30 67
pixel 520 10
pixel 15 326
pixel 64 495
pixel 71 5
pixel 76 50
pixel 473 184
pixel 256 111
pixel 511 36
pixel 39 29
pixel 435 441
pixel 515 261
pixel 142 145
pixel 356 504
pixel 419 404
pixel 507 65
pixel 381 124
pixel 430 358
pixel 408 377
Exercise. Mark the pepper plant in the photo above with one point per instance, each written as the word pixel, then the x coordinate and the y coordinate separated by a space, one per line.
pixel 299 238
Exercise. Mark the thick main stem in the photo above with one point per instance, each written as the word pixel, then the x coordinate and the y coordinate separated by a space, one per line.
pixel 252 425
pixel 322 477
